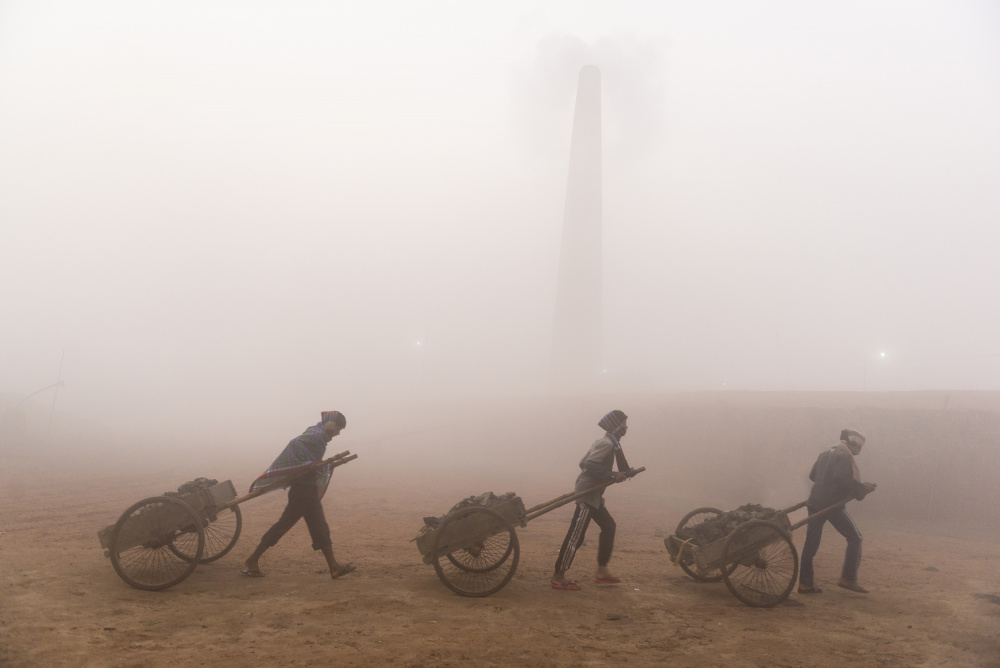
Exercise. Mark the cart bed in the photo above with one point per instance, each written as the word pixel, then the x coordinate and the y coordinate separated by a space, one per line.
pixel 165 519
pixel 467 531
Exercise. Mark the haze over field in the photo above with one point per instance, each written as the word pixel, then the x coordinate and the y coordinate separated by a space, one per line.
pixel 227 212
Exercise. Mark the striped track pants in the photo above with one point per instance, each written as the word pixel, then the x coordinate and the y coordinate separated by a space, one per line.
pixel 578 530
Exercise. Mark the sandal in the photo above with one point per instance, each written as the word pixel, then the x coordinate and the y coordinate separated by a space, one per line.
pixel 344 570
pixel 853 586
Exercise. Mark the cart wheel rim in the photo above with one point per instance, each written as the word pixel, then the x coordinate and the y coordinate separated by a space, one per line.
pixel 693 519
pixel 222 530
pixel 762 564
pixel 486 564
pixel 142 545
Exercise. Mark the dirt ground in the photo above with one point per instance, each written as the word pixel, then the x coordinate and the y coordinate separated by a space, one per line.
pixel 934 593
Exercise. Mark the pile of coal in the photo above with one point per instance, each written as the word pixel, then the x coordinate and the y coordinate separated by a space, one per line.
pixel 488 499
pixel 186 488
pixel 192 486
pixel 720 526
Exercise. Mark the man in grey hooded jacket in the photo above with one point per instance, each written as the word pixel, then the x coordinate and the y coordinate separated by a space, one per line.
pixel 595 468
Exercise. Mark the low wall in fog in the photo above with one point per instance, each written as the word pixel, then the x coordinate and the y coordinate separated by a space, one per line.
pixel 934 456
pixel 938 464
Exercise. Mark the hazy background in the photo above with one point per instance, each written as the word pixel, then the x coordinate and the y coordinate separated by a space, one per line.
pixel 220 218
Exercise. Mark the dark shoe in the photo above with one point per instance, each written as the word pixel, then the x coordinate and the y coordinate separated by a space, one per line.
pixel 809 589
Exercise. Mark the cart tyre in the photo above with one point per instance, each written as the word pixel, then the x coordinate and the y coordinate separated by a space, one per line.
pixel 714 575
pixel 488 570
pixel 765 575
pixel 221 534
pixel 154 564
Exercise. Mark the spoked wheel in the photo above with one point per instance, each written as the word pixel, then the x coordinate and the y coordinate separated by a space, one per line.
pixel 482 566
pixel 142 545
pixel 692 519
pixel 471 559
pixel 762 564
pixel 222 530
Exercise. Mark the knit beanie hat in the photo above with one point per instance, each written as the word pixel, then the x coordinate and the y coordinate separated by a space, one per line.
pixel 612 420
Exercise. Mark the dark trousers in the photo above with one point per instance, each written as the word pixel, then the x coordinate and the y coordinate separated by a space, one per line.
pixel 843 523
pixel 303 502
pixel 578 530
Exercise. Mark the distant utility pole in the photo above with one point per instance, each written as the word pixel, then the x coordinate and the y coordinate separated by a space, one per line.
pixel 59 383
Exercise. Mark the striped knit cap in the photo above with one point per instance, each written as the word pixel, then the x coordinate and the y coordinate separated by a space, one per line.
pixel 612 420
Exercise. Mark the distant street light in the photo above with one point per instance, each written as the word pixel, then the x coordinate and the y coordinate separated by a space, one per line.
pixel 864 376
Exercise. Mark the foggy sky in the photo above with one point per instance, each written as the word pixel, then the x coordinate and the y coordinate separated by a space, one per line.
pixel 222 210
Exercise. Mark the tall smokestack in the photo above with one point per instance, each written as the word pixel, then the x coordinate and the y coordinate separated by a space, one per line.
pixel 576 344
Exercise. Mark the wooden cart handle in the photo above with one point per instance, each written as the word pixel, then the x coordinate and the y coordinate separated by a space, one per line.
pixel 823 513
pixel 334 462
pixel 541 509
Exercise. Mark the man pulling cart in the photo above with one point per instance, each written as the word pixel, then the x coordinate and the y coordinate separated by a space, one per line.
pixel 297 467
pixel 835 476
pixel 474 548
pixel 595 468
pixel 157 542
pixel 755 556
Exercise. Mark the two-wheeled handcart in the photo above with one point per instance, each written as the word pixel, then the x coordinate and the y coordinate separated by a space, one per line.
pixel 159 541
pixel 474 549
pixel 757 559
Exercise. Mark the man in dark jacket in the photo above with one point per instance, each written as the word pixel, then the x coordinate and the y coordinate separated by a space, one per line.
pixel 836 477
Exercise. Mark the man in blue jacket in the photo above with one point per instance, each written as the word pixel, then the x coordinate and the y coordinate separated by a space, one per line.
pixel 836 477
pixel 297 465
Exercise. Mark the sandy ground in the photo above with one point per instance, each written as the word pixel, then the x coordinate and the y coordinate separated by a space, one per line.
pixel 934 599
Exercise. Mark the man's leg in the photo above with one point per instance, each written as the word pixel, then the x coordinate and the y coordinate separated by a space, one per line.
pixel 319 531
pixel 605 545
pixel 574 537
pixel 843 523
pixel 291 514
pixel 814 533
